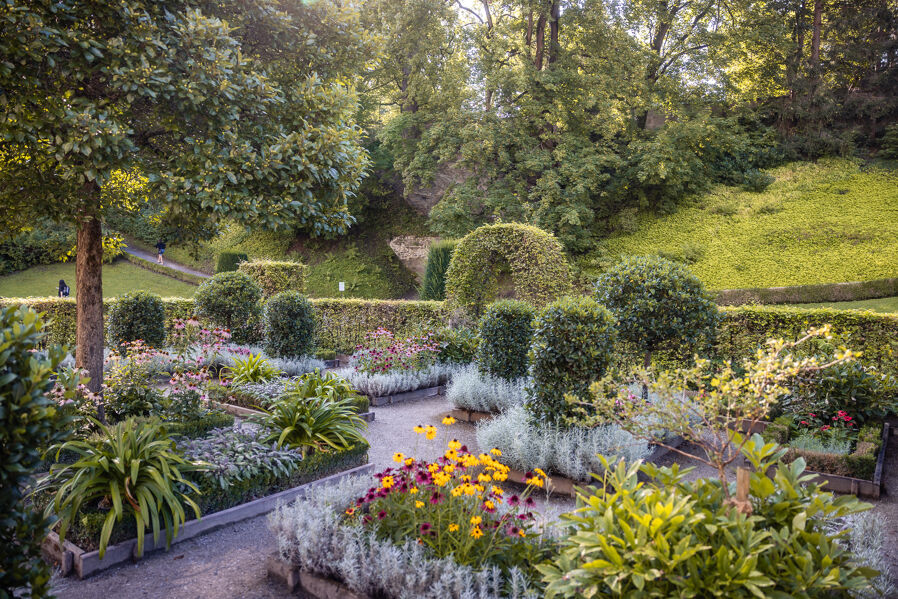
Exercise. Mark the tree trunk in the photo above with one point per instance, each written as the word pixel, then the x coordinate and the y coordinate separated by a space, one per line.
pixel 540 41
pixel 815 36
pixel 89 289
pixel 647 362
pixel 554 16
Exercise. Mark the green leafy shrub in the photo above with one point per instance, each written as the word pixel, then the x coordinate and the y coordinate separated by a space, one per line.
pixel 230 300
pixel 506 328
pixel 253 368
pixel 135 468
pixel 274 277
pixel 658 305
pixel 457 346
pixel 312 424
pixel 674 538
pixel 29 422
pixel 45 244
pixel 230 261
pixel 289 321
pixel 533 258
pixel 888 147
pixel 137 315
pixel 327 385
pixel 573 345
pixel 438 256
pixel 852 387
pixel 756 181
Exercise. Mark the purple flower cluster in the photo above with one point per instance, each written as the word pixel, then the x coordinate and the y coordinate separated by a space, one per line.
pixel 382 352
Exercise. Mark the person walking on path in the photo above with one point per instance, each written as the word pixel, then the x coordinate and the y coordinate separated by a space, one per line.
pixel 160 248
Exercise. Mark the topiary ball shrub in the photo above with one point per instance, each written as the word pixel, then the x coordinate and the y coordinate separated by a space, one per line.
pixel 573 344
pixel 658 305
pixel 230 261
pixel 274 277
pixel 289 325
pixel 29 424
pixel 137 315
pixel 505 332
pixel 434 285
pixel 230 300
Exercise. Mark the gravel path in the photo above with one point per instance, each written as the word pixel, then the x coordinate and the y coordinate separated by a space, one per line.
pixel 151 257
pixel 230 562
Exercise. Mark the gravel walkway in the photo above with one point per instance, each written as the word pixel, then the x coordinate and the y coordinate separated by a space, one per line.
pixel 230 563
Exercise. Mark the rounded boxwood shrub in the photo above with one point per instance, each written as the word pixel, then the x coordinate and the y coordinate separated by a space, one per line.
pixel 533 258
pixel 573 345
pixel 658 304
pixel 274 277
pixel 289 325
pixel 137 315
pixel 230 300
pixel 505 332
pixel 438 258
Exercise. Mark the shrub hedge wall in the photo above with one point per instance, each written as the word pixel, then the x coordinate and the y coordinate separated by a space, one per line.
pixel 342 324
pixel 274 277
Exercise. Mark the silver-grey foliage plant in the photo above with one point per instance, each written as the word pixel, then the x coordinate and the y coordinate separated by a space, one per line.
pixel 571 452
pixel 310 536
pixel 470 389
pixel 390 383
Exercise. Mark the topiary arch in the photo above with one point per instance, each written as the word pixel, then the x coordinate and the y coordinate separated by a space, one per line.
pixel 534 259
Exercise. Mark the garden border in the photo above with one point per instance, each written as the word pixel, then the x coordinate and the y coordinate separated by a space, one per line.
pixel 86 563
pixel 405 396
pixel 242 412
pixel 309 584
pixel 849 291
pixel 470 416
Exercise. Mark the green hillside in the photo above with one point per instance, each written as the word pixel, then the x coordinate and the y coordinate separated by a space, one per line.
pixel 831 221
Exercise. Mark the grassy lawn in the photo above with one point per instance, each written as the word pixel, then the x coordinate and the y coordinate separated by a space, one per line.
pixel 823 222
pixel 883 304
pixel 118 279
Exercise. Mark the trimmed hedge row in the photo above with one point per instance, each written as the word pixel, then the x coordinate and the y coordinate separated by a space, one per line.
pixel 809 294
pixel 341 323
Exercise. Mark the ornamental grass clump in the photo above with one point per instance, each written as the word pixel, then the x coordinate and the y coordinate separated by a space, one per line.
pixel 455 506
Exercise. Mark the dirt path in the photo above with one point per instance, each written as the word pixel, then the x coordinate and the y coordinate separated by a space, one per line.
pixel 230 563
pixel 151 257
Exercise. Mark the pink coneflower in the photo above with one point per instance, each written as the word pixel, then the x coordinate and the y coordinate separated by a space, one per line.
pixel 436 498
pixel 425 528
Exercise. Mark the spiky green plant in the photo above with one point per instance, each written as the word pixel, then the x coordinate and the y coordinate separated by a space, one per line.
pixel 135 469
pixel 254 368
pixel 438 257
pixel 312 423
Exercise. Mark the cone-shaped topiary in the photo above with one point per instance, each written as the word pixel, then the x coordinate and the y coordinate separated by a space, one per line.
pixel 438 257
pixel 506 328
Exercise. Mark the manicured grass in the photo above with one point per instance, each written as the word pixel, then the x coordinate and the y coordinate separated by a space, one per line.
pixel 825 222
pixel 119 278
pixel 884 304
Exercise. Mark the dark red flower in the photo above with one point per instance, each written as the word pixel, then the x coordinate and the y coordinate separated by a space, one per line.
pixel 436 498
pixel 425 528
pixel 514 500
pixel 381 515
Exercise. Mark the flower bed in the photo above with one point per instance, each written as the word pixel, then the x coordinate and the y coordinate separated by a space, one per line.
pixel 393 387
pixel 425 529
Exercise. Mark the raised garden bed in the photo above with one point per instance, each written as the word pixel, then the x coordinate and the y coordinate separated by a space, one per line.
pixel 242 412
pixel 308 584
pixel 407 396
pixel 472 416
pixel 837 483
pixel 72 558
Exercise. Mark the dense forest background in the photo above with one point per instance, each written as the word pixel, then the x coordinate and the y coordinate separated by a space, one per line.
pixel 577 116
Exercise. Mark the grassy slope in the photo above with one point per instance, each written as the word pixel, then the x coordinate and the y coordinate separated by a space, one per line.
pixel 362 259
pixel 118 278
pixel 884 304
pixel 827 222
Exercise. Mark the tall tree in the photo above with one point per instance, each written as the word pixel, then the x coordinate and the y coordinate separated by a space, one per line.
pixel 231 110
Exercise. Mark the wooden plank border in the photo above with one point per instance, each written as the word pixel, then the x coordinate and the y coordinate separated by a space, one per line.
pixel 86 563
pixel 422 393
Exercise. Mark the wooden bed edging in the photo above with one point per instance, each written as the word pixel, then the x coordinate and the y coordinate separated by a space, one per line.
pixel 86 563
pixel 472 416
pixel 422 393
pixel 857 486
pixel 307 584
pixel 246 412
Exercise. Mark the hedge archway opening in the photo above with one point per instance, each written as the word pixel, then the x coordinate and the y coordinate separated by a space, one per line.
pixel 532 259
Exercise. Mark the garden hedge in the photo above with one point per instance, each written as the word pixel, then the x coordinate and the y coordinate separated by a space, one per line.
pixel 534 259
pixel 342 324
pixel 274 277
pixel 809 294
pixel 229 261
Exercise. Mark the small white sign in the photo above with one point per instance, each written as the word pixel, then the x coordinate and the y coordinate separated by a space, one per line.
pixel 342 286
